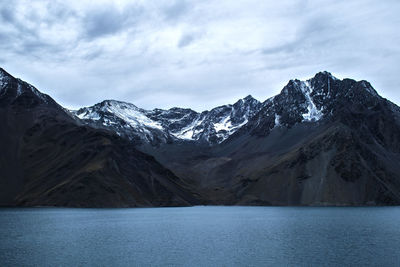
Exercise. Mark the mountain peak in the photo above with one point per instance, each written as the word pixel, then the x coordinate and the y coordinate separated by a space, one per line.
pixel 112 102
pixel 248 98
pixel 325 74
pixel 3 72
pixel 4 76
pixel 109 104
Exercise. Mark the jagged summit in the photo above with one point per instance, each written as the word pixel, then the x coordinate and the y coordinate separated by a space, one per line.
pixel 249 98
pixel 160 126
pixel 321 97
pixel 325 74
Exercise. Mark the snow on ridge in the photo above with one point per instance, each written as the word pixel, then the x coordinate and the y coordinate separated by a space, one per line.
pixel 190 126
pixel 133 116
pixel 129 113
pixel 368 88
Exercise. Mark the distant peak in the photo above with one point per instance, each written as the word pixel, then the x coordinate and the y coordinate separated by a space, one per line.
pixel 249 97
pixel 112 102
pixel 325 74
pixel 4 73
pixel 247 100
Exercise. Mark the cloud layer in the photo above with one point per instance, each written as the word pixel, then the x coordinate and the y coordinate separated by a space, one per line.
pixel 195 54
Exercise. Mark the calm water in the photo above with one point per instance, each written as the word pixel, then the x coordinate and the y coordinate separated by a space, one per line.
pixel 200 236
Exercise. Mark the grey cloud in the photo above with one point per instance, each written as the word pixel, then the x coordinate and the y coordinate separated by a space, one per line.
pixel 176 9
pixel 157 64
pixel 59 11
pixel 186 40
pixel 109 20
pixel 7 14
pixel 93 54
pixel 286 47
pixel 20 38
pixel 317 32
pixel 103 22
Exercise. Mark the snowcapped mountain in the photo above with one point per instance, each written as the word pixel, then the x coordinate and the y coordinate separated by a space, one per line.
pixel 210 127
pixel 299 101
pixel 312 100
pixel 176 124
pixel 126 120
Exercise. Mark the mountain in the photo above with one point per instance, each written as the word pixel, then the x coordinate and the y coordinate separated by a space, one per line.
pixel 323 141
pixel 51 158
pixel 160 126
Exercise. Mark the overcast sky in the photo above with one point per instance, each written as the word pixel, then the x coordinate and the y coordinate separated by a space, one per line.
pixel 196 54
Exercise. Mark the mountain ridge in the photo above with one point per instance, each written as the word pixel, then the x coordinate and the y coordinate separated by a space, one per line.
pixel 159 125
pixel 212 128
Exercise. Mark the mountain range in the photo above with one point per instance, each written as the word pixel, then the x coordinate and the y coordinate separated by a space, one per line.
pixel 323 141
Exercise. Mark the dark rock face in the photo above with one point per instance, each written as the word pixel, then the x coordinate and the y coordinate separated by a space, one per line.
pixel 76 166
pixel 323 141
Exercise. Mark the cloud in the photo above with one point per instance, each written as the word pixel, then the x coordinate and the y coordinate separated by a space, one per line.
pixel 195 53
pixel 108 20
pixel 7 14
pixel 185 40
pixel 176 10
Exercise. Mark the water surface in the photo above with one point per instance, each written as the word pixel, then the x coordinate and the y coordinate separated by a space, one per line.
pixel 201 236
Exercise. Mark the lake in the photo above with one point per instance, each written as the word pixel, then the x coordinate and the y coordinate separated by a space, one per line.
pixel 201 236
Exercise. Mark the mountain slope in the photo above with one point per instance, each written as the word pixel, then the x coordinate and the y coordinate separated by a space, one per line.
pixel 50 158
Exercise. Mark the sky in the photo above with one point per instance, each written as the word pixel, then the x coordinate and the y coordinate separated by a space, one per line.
pixel 197 54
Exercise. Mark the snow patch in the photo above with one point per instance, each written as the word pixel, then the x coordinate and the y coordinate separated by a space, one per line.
pixel 313 113
pixel 127 112
pixel 224 125
pixel 188 132
pixel 89 116
pixel 19 89
pixel 277 120
pixel 187 135
pixel 3 82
